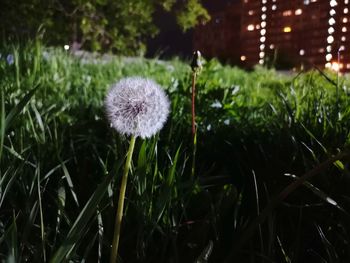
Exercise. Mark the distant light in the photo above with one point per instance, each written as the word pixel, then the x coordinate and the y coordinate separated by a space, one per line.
pixel 272 46
pixel 262 32
pixel 346 1
pixel 343 38
pixel 344 29
pixel 274 7
pixel 335 66
pixel 250 12
pixel 346 10
pixel 345 20
pixel 332 12
pixel 329 57
pixel 341 48
pixel 328 65
pixel 263 16
pixel 287 29
pixel 330 39
pixel 261 54
pixel 306 2
pixel 320 50
pixel 329 48
pixel 261 61
pixel 263 24
pixel 66 47
pixel 257 26
pixel 250 27
pixel 262 39
pixel 264 8
pixel 333 3
pixel 262 47
pixel 331 21
pixel 298 12
pixel 347 66
pixel 243 58
pixel 330 30
pixel 301 52
pixel 264 1
pixel 287 13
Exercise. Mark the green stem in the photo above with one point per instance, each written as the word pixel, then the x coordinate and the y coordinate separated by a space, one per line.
pixel 119 216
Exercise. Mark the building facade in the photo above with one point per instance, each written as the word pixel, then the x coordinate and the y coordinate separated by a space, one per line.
pixel 288 33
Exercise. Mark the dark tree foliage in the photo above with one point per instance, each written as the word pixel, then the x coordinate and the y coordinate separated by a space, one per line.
pixel 120 26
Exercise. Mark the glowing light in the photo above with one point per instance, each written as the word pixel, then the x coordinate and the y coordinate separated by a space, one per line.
pixel 262 47
pixel 262 39
pixel 344 29
pixel 329 48
pixel 272 46
pixel 346 10
pixel 243 58
pixel 274 7
pixel 263 24
pixel 250 12
pixel 335 66
pixel 263 16
pixel 250 27
pixel 320 50
pixel 287 29
pixel 329 57
pixel 330 39
pixel 257 26
pixel 264 1
pixel 345 20
pixel 66 47
pixel 298 12
pixel 330 30
pixel 328 65
pixel 332 12
pixel 262 32
pixel 287 13
pixel 301 52
pixel 343 38
pixel 347 66
pixel 264 8
pixel 331 21
pixel 261 61
pixel 261 54
pixel 333 3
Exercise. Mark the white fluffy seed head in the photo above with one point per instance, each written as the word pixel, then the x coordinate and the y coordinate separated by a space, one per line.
pixel 137 106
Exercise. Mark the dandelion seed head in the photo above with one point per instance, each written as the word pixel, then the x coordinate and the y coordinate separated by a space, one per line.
pixel 137 106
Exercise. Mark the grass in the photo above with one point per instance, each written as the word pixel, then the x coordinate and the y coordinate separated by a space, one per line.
pixel 258 134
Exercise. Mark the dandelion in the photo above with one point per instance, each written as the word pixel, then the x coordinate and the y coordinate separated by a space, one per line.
pixel 138 107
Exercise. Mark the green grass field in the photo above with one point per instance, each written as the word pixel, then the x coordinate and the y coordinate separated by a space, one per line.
pixel 258 133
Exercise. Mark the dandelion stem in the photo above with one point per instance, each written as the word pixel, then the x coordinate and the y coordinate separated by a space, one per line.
pixel 194 76
pixel 119 216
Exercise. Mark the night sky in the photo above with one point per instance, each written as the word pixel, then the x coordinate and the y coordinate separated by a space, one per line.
pixel 171 41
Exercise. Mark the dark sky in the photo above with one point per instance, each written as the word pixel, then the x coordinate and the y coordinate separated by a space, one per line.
pixel 171 40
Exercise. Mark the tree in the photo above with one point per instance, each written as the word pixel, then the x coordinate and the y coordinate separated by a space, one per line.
pixel 120 26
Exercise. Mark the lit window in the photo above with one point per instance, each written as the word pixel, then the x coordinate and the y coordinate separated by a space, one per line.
pixel 343 38
pixel 250 27
pixel 274 7
pixel 287 13
pixel 346 10
pixel 335 66
pixel 330 39
pixel 298 12
pixel 263 24
pixel 262 32
pixel 262 39
pixel 331 21
pixel 250 12
pixel 301 52
pixel 333 3
pixel 332 12
pixel 330 30
pixel 329 57
pixel 345 20
pixel 243 58
pixel 344 29
pixel 287 29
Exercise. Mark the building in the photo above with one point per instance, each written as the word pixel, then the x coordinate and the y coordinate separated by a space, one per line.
pixel 287 33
